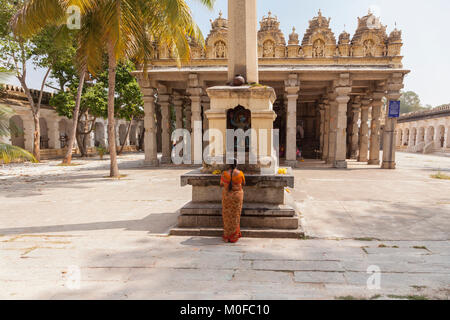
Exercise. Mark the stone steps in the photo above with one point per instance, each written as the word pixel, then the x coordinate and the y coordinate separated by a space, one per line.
pixel 249 209
pixel 246 233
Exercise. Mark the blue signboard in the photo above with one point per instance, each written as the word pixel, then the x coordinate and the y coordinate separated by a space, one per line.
pixel 394 109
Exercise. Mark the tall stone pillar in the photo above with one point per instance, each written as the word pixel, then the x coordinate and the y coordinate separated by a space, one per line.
pixel 375 127
pixel 321 126
pixel 354 135
pixel 158 126
pixel 53 134
pixel 447 137
pixel 150 145
pixel 206 104
pixel 333 129
pixel 188 114
pixel 395 84
pixel 164 102
pixel 342 100
pixel 28 132
pixel 411 138
pixel 178 105
pixel 292 89
pixel 364 131
pixel 195 94
pixel 326 130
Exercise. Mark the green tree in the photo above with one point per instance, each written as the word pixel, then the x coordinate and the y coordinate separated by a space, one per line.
pixel 125 29
pixel 410 102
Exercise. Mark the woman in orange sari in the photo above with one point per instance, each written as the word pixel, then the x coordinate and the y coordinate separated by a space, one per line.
pixel 232 200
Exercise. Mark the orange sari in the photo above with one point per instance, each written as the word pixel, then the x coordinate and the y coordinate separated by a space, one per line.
pixel 232 205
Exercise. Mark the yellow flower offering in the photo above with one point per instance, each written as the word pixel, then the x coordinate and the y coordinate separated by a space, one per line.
pixel 282 171
pixel 217 172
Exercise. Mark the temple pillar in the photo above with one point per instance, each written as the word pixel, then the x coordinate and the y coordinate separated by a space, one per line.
pixel 150 145
pixel 364 131
pixel 28 133
pixel 447 137
pixel 321 126
pixel 292 89
pixel 158 126
pixel 195 95
pixel 164 102
pixel 53 134
pixel 375 126
pixel 326 130
pixel 354 134
pixel 206 104
pixel 332 131
pixel 342 100
pixel 188 115
pixel 395 84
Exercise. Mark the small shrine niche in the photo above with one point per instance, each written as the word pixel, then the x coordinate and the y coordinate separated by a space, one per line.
pixel 240 118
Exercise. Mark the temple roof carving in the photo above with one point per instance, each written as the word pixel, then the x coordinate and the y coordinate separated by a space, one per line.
pixel 319 26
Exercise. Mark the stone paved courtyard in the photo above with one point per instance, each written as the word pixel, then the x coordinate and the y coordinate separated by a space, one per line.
pixel 54 219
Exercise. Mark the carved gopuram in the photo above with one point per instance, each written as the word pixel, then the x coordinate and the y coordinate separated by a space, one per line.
pixel 330 90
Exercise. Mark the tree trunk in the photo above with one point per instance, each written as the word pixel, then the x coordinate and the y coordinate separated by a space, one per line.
pixel 126 137
pixel 73 131
pixel 37 136
pixel 112 64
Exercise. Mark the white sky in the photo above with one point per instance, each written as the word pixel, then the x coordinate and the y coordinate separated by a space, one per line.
pixel 424 24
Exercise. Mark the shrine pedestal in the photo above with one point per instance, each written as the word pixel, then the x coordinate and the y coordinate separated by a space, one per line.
pixel 264 215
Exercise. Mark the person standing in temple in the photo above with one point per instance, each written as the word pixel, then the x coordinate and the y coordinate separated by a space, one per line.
pixel 232 182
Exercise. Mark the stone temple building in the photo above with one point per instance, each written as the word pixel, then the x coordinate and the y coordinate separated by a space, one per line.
pixel 330 90
pixel 55 129
pixel 425 131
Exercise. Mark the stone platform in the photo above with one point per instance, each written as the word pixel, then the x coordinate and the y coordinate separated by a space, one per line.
pixel 264 214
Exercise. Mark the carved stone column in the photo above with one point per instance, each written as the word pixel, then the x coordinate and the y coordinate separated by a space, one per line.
pixel 151 154
pixel 326 130
pixel 333 128
pixel 354 136
pixel 195 95
pixel 447 137
pixel 395 84
pixel 375 126
pixel 364 131
pixel 342 100
pixel 411 138
pixel 321 126
pixel 206 104
pixel 188 114
pixel 28 133
pixel 178 105
pixel 292 89
pixel 164 102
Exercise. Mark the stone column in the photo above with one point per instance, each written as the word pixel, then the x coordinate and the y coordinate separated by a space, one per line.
pixel 292 89
pixel 158 127
pixel 178 105
pixel 364 131
pixel 321 126
pixel 206 104
pixel 242 44
pixel 150 145
pixel 188 114
pixel 28 132
pixel 326 130
pixel 375 126
pixel 395 84
pixel 333 127
pixel 164 102
pixel 446 137
pixel 354 135
pixel 411 138
pixel 195 94
pixel 342 100
pixel 53 134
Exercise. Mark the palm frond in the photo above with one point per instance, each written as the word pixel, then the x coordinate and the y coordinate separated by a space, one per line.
pixel 5 114
pixel 10 153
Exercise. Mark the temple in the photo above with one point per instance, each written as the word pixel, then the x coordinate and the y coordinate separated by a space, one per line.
pixel 330 92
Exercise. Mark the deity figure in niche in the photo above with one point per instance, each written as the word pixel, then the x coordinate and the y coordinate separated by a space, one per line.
pixel 301 53
pixel 220 49
pixel 318 49
pixel 369 48
pixel 268 49
pixel 239 118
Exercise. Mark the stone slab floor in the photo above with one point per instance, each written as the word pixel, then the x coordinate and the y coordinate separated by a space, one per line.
pixel 71 233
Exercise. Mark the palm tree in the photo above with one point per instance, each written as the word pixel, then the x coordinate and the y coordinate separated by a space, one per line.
pixel 125 29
